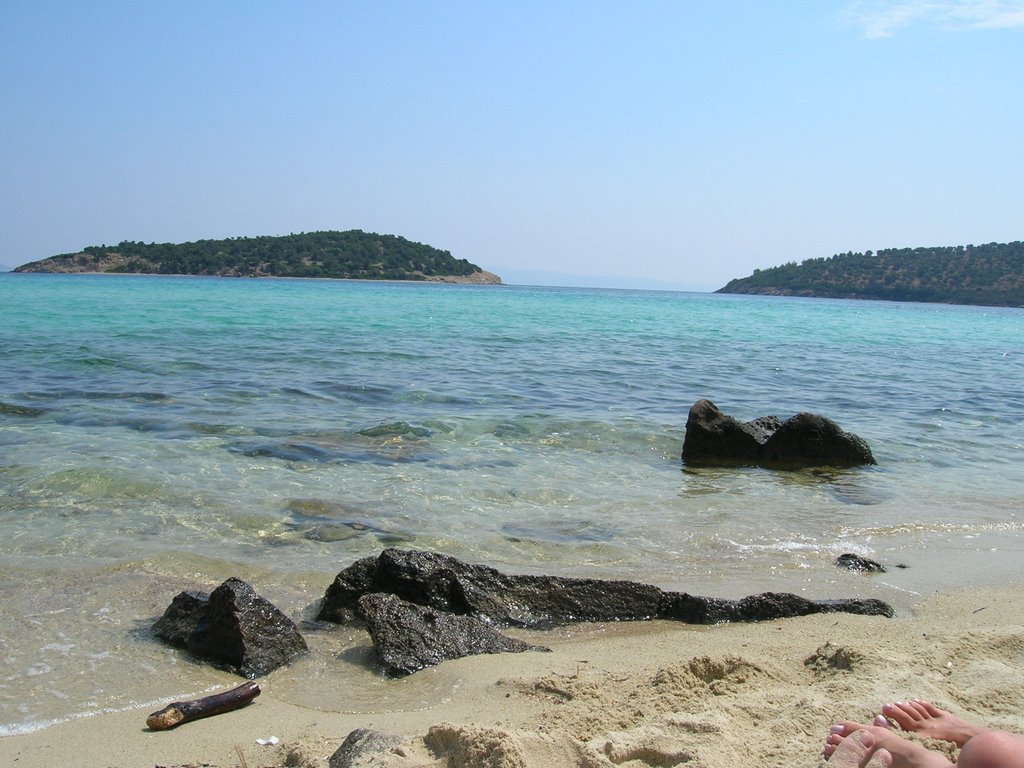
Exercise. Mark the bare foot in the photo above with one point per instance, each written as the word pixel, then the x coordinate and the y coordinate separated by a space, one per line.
pixel 901 752
pixel 855 751
pixel 925 719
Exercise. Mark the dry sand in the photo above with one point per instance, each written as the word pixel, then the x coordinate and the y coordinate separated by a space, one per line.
pixel 657 694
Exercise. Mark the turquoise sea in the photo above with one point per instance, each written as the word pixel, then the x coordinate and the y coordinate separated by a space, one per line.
pixel 164 433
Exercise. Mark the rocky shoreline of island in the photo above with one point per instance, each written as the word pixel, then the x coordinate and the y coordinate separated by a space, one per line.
pixel 353 254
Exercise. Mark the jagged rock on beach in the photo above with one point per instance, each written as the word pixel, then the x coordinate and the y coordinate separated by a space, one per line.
pixel 409 637
pixel 854 562
pixel 181 617
pixel 423 608
pixel 762 607
pixel 804 440
pixel 446 584
pixel 232 627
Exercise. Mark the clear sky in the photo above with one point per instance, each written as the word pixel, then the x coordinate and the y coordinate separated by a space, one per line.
pixel 674 144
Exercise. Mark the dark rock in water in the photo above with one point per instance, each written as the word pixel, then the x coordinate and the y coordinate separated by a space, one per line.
pixel 809 440
pixel 409 637
pixel 804 440
pixel 233 628
pixel 712 436
pixel 341 601
pixel 857 563
pixel 181 618
pixel 447 584
pixel 360 746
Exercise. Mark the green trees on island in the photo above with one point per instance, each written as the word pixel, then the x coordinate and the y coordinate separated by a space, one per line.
pixel 351 254
pixel 991 274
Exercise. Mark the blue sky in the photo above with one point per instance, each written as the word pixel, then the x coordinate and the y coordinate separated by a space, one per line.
pixel 673 144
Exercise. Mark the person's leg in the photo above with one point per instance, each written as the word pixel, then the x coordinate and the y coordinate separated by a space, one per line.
pixel 903 753
pixel 925 719
pixel 855 751
pixel 992 749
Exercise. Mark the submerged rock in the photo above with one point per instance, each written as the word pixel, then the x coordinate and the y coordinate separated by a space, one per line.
pixel 233 628
pixel 857 563
pixel 408 637
pixel 396 429
pixel 804 440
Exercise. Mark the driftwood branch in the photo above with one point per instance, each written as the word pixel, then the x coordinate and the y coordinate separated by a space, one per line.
pixel 179 712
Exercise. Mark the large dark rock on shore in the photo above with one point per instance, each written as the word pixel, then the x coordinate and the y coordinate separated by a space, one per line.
pixel 233 628
pixel 443 583
pixel 762 607
pixel 804 440
pixel 447 584
pixel 409 637
pixel 181 617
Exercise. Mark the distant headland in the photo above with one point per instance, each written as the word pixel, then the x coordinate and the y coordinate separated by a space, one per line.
pixel 990 275
pixel 353 255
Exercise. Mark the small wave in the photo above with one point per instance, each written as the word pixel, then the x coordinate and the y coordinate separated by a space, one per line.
pixel 307 394
pixel 363 394
pixel 162 427
pixel 96 394
pixel 322 454
pixel 926 527
pixel 777 546
pixel 99 361
pixel 20 729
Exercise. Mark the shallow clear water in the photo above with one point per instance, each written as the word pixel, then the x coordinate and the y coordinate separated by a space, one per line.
pixel 162 433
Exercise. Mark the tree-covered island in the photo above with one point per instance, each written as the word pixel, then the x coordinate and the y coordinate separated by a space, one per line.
pixel 350 255
pixel 991 275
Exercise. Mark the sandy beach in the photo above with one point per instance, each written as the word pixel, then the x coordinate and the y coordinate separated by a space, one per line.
pixel 657 694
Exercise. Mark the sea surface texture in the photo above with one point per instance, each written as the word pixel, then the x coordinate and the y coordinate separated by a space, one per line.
pixel 161 433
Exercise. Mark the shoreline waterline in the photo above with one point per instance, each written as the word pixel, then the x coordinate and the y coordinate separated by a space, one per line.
pixel 100 620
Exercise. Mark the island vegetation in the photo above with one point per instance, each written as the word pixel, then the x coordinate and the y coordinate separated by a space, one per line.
pixel 353 254
pixel 991 274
